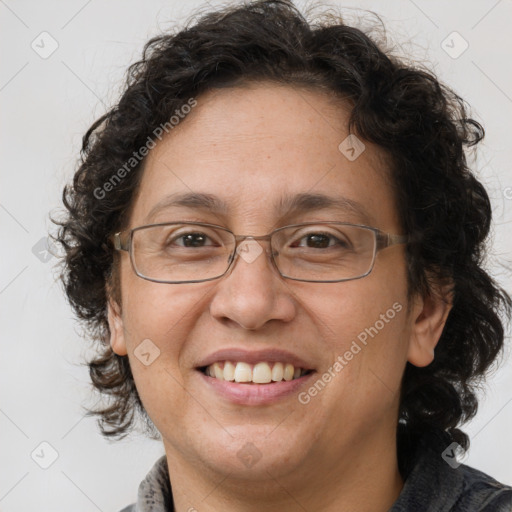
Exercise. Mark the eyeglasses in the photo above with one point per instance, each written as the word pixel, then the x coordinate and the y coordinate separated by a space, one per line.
pixel 190 252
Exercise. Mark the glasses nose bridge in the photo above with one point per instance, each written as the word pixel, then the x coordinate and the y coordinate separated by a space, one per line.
pixel 242 238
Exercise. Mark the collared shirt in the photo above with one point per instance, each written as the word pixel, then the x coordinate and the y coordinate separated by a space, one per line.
pixel 435 483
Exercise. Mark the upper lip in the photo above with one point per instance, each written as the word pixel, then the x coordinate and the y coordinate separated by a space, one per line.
pixel 254 356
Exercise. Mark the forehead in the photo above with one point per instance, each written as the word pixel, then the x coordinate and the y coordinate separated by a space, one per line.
pixel 253 149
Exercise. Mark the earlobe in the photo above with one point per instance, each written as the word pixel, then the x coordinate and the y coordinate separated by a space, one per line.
pixel 429 316
pixel 115 323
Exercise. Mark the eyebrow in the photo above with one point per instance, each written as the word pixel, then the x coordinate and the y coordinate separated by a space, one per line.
pixel 286 206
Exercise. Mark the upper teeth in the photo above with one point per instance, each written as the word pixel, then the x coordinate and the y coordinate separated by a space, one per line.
pixel 260 373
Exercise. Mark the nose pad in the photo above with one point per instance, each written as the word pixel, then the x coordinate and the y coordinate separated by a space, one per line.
pixel 270 253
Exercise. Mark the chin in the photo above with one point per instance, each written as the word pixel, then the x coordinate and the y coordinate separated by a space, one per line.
pixel 254 453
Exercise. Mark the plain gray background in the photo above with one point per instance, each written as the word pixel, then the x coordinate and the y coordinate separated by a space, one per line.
pixel 46 106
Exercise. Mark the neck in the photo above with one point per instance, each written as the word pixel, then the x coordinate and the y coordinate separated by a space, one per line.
pixel 365 479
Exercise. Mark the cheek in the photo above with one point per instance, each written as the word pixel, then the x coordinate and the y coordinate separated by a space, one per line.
pixel 158 311
pixel 350 309
pixel 158 319
pixel 365 331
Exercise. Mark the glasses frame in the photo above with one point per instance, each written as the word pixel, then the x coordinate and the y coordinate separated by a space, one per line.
pixel 123 241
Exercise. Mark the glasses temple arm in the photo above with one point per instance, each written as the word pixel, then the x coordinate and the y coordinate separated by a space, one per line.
pixel 119 244
pixel 397 239
pixel 388 239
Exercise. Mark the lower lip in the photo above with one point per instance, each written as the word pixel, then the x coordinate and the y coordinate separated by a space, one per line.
pixel 255 394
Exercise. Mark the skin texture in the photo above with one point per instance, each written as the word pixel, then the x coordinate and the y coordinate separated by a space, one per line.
pixel 250 146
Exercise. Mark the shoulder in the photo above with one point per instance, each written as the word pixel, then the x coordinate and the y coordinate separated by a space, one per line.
pixel 155 493
pixel 436 482
pixel 482 493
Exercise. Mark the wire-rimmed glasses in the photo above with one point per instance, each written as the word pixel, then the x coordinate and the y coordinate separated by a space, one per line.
pixel 192 252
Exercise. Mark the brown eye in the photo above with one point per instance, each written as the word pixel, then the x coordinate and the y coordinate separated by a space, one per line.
pixel 193 239
pixel 321 241
pixel 317 241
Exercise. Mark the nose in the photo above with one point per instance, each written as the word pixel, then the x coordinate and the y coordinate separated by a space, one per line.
pixel 252 293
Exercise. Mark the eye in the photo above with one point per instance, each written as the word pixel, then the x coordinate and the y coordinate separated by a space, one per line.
pixel 321 240
pixel 191 239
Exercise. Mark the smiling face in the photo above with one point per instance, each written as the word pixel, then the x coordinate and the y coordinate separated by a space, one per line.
pixel 252 148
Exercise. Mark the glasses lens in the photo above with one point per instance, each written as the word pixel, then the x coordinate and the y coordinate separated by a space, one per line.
pixel 196 252
pixel 181 252
pixel 325 252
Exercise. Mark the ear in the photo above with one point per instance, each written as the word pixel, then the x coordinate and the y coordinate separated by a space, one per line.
pixel 429 315
pixel 115 323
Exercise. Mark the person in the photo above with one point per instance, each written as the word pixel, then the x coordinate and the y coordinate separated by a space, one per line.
pixel 277 241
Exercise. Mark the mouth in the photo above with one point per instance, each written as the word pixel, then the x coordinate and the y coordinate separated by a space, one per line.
pixel 259 373
pixel 253 377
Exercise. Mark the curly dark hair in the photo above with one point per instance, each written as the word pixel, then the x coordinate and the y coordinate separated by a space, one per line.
pixel 421 124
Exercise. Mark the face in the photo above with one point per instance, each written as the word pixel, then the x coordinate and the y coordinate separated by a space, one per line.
pixel 251 147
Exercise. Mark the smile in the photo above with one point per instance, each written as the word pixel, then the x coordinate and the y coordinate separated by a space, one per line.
pixel 259 373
